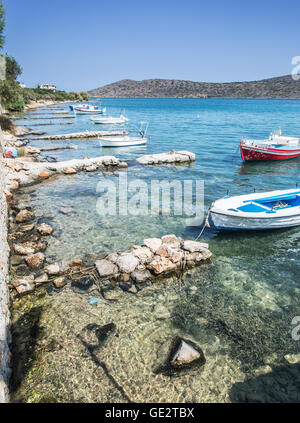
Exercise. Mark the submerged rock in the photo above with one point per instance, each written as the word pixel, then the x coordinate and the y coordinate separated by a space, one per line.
pixel 183 354
pixel 161 312
pixel 292 358
pixel 24 216
pixel 59 282
pixel 40 280
pixel 140 276
pixel 45 229
pixel 24 285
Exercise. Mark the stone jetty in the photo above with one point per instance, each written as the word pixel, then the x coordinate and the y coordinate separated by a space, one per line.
pixel 155 257
pixel 23 173
pixel 83 135
pixel 127 270
pixel 53 117
pixel 170 157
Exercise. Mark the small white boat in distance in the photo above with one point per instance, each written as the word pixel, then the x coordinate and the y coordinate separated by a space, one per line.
pixel 124 141
pixel 256 211
pixel 110 120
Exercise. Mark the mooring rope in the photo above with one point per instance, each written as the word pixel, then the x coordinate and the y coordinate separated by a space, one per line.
pixel 206 224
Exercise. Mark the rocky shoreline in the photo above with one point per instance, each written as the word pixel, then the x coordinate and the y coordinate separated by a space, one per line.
pixel 5 337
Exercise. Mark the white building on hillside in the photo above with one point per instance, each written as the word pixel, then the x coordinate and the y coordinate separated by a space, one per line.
pixel 48 87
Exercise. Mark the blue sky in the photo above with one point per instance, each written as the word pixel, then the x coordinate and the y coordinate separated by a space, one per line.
pixel 83 44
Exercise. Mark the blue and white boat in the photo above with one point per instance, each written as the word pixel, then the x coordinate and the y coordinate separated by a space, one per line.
pixel 256 211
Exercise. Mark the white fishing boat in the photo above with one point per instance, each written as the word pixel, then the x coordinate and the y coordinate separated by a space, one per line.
pixel 123 141
pixel 110 120
pixel 126 140
pixel 89 109
pixel 256 211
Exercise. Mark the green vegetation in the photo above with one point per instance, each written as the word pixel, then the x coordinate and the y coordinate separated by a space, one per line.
pixel 13 97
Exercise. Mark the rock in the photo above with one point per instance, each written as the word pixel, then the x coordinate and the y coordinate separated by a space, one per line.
pixel 153 243
pixel 59 282
pixel 76 262
pixel 32 150
pixel 16 260
pixel 91 168
pixel 35 261
pixel 66 210
pixel 14 185
pixel 69 170
pixel 27 228
pixel 184 353
pixel 24 216
pixel 113 257
pixel 24 285
pixel 292 358
pixel 23 249
pixel 140 276
pixel 52 269
pixel 174 254
pixel 41 246
pixel 8 196
pixel 44 175
pixel 45 229
pixel 162 312
pixel 171 240
pixel 161 264
pixel 113 294
pixel 40 280
pixel 125 277
pixel 263 370
pixel 133 289
pixel 106 268
pixel 142 253
pixel 198 257
pixel 194 246
pixel 127 262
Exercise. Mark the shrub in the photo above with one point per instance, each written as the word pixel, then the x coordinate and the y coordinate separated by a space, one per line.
pixel 6 124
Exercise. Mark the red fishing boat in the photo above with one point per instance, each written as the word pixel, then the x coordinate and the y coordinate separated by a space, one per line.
pixel 276 147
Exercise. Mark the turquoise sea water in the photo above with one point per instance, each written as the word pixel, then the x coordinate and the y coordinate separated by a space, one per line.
pixel 250 292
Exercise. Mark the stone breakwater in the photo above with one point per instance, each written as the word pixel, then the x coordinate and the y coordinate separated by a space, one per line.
pixel 126 270
pixel 4 296
pixel 23 173
pixel 155 257
pixel 170 157
pixel 83 135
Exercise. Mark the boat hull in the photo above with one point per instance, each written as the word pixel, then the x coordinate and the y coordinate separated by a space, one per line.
pixel 113 142
pixel 251 153
pixel 224 223
pixel 88 112
pixel 109 122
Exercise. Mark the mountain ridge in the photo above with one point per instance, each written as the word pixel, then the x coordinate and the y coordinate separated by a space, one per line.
pixel 276 87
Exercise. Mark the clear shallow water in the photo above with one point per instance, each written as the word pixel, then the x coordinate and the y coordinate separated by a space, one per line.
pixel 247 296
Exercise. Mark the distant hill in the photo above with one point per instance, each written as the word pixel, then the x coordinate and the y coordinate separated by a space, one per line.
pixel 280 87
